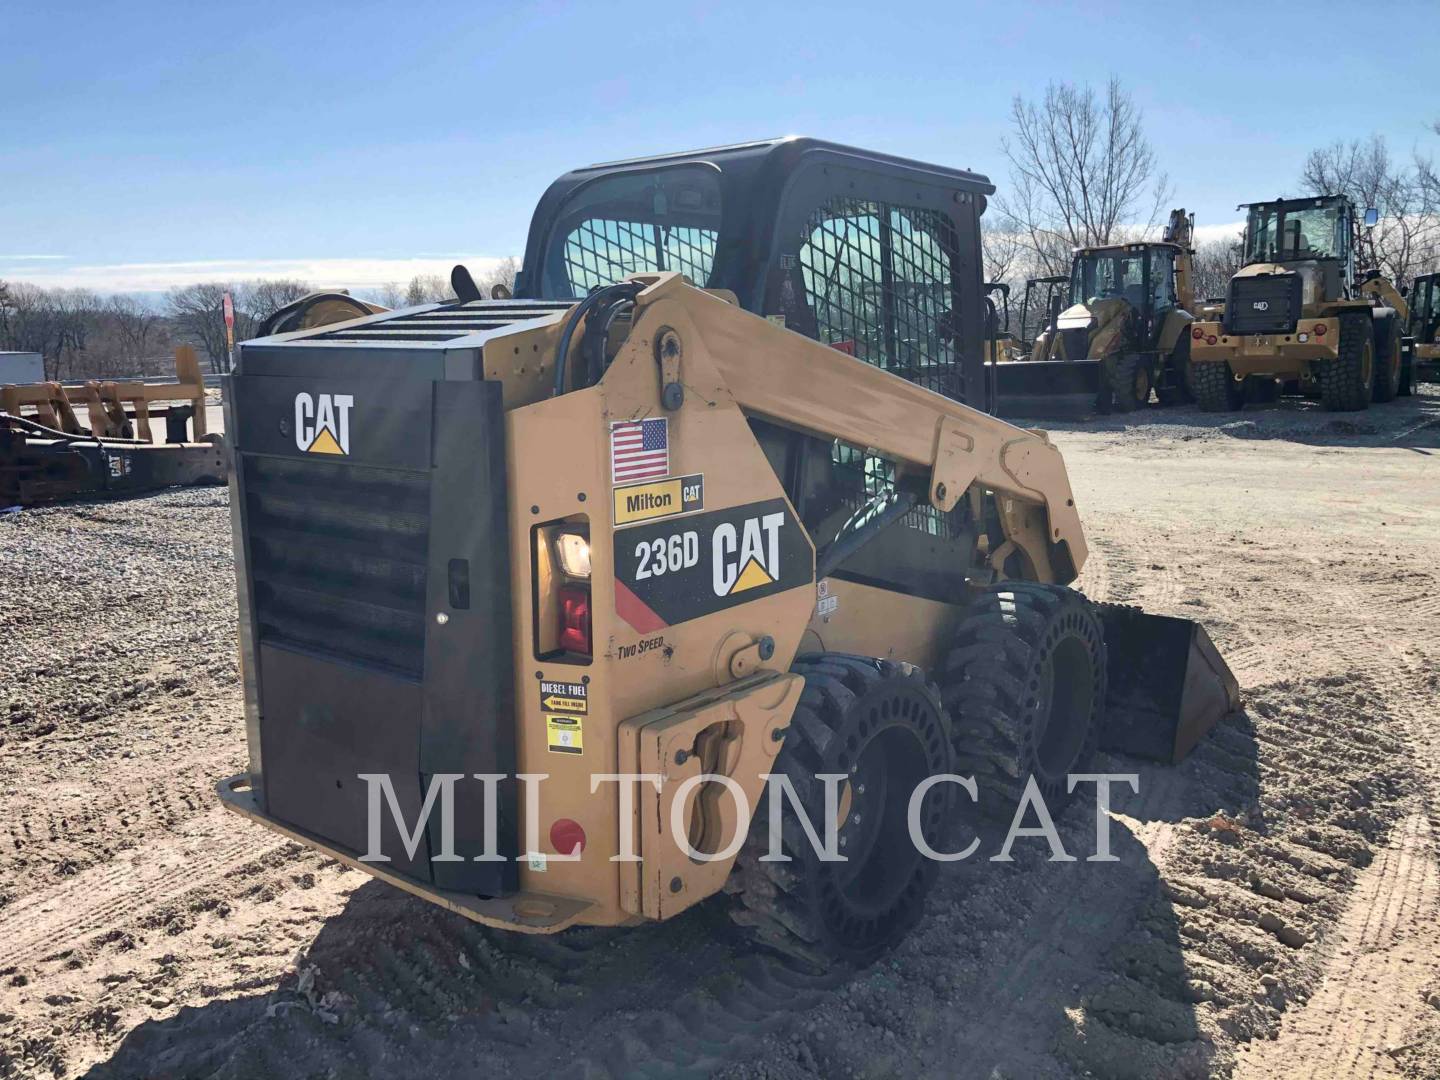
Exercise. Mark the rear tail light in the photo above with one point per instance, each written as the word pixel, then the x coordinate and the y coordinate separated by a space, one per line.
pixel 1320 329
pixel 1197 333
pixel 1210 340
pixel 575 619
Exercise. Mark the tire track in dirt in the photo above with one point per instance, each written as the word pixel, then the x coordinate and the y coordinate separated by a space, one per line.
pixel 1387 950
pixel 120 893
pixel 1386 946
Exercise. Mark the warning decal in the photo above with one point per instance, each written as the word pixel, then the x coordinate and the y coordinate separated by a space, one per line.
pixel 563 734
pixel 669 573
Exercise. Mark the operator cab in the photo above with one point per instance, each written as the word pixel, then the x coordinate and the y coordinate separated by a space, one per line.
pixel 1425 309
pixel 1142 275
pixel 1294 230
pixel 875 255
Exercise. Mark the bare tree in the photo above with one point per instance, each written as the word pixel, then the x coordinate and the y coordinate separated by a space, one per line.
pixel 138 329
pixel 53 322
pixel 261 298
pixel 1004 250
pixel 502 273
pixel 427 289
pixel 1407 237
pixel 1215 262
pixel 198 314
pixel 390 295
pixel 1082 172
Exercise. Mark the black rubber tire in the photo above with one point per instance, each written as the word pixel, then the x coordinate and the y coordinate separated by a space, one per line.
pixel 1179 392
pixel 820 913
pixel 1345 382
pixel 1128 377
pixel 1025 685
pixel 1407 370
pixel 1215 388
pixel 1388 362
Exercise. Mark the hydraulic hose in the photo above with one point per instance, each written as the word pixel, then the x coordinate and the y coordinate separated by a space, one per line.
pixel 627 290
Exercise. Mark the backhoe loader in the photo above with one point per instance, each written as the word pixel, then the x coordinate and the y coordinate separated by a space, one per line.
pixel 703 503
pixel 1124 333
pixel 1299 314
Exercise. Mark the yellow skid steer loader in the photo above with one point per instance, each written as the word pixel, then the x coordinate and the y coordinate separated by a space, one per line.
pixel 704 503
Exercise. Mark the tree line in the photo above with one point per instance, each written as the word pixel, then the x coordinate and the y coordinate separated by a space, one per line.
pixel 83 334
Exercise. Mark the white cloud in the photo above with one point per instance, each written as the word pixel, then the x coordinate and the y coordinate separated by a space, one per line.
pixel 354 273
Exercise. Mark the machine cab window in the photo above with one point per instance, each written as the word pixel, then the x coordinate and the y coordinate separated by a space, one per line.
pixel 1106 275
pixel 635 222
pixel 1162 278
pixel 1297 229
pixel 879 283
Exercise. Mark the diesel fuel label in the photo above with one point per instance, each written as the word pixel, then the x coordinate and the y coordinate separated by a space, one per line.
pixel 564 697
pixel 659 499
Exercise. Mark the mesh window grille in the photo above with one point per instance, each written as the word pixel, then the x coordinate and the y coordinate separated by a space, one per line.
pixel 879 280
pixel 602 251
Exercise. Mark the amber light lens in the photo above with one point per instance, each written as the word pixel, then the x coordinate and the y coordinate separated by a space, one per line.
pixel 1197 333
pixel 1320 329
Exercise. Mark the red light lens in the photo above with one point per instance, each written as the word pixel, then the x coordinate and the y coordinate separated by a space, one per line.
pixel 1320 329
pixel 1210 340
pixel 575 619
pixel 1197 333
pixel 567 837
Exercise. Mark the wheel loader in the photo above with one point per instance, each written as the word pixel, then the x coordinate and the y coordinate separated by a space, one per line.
pixel 694 507
pixel 1124 333
pixel 1298 314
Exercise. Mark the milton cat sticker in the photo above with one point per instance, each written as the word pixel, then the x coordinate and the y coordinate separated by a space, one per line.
pixel 669 573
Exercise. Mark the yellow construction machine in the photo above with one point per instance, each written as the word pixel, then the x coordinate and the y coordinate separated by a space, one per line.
pixel 535 593
pixel 1300 315
pixel 1124 333
pixel 1421 315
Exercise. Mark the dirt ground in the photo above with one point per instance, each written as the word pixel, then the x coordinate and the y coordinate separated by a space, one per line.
pixel 1275 911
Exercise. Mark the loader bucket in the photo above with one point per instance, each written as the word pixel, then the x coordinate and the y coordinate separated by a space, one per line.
pixel 1059 389
pixel 1168 684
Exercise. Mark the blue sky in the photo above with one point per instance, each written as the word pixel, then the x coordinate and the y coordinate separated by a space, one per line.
pixel 145 143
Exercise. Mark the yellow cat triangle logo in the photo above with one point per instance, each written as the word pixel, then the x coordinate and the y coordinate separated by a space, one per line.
pixel 324 444
pixel 752 577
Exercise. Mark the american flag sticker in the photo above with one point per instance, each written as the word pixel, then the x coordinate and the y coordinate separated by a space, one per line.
pixel 639 450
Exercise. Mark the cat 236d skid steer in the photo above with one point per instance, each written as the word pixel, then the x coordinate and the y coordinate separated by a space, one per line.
pixel 713 496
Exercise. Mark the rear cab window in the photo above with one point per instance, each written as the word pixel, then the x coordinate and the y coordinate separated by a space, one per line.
pixel 645 221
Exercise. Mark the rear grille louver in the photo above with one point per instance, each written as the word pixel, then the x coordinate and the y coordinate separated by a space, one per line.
pixel 1263 304
pixel 446 323
pixel 337 559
